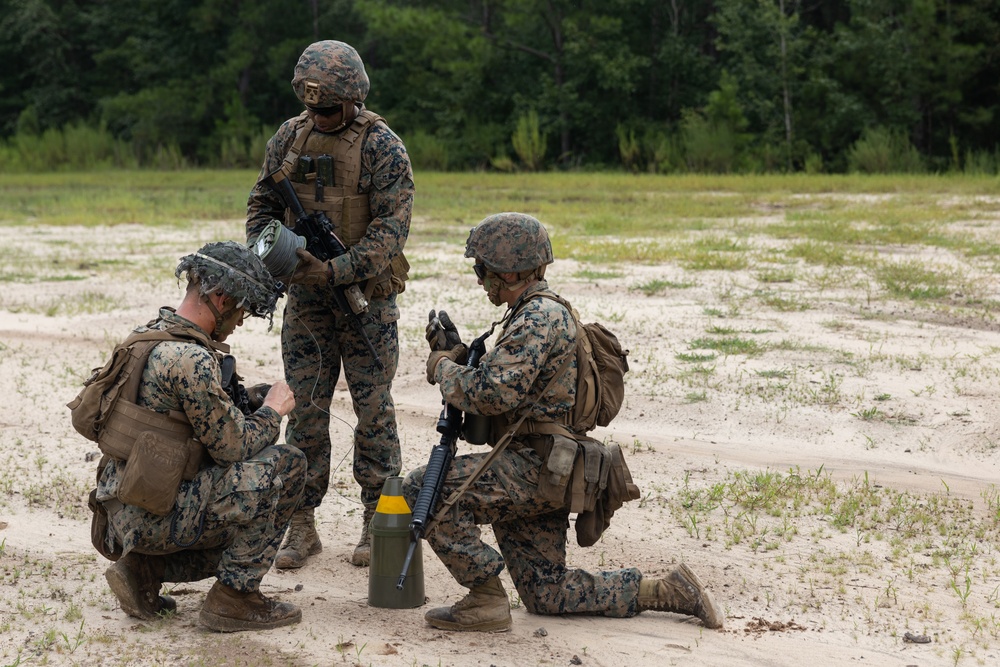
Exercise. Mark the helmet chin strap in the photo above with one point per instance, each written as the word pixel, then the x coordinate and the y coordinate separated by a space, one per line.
pixel 347 116
pixel 219 317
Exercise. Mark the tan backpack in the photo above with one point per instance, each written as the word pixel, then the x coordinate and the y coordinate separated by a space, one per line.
pixel 601 364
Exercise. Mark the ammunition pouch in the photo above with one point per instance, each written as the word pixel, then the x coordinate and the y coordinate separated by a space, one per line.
pixel 555 475
pixel 152 474
pixel 618 490
pixel 589 477
pixel 128 421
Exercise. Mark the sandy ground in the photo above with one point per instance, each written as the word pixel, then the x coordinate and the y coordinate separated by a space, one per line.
pixel 854 387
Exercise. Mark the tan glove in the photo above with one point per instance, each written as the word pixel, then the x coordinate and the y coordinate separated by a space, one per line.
pixel 457 354
pixel 310 270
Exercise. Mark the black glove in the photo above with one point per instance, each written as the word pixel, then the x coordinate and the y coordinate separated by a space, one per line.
pixel 441 333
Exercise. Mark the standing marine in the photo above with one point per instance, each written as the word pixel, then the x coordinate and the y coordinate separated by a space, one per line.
pixel 530 374
pixel 342 159
pixel 192 486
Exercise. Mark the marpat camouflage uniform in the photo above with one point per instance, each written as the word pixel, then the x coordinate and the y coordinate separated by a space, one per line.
pixel 316 340
pixel 530 531
pixel 229 520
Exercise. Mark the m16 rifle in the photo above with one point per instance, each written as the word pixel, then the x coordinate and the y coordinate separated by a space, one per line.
pixel 324 245
pixel 450 427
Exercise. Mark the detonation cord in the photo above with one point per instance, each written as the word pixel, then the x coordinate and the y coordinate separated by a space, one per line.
pixel 312 401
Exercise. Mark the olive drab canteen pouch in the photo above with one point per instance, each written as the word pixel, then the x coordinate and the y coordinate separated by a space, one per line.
pixel 601 364
pixel 152 474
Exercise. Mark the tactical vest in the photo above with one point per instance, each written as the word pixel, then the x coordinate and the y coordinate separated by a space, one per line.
pixel 348 210
pixel 127 420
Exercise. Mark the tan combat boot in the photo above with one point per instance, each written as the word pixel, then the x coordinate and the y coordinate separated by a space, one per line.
pixel 485 609
pixel 301 541
pixel 680 592
pixel 135 579
pixel 228 610
pixel 363 552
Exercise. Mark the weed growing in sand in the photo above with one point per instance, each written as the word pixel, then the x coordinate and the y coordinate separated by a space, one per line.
pixel 728 345
pixel 658 286
pixel 911 541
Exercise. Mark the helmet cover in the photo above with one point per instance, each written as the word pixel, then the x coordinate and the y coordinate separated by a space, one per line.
pixel 330 73
pixel 510 243
pixel 236 271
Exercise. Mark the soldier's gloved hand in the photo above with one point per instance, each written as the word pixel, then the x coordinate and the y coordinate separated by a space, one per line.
pixel 256 394
pixel 310 270
pixel 441 333
pixel 456 354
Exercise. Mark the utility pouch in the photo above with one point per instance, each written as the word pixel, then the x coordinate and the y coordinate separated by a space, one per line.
pixel 617 489
pixel 153 473
pixel 554 477
pixel 99 529
pixel 99 521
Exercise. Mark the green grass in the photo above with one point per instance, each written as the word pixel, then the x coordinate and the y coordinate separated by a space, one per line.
pixel 657 286
pixel 728 345
pixel 701 223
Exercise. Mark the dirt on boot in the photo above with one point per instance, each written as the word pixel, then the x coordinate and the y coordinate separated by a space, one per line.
pixel 485 609
pixel 362 555
pixel 135 579
pixel 229 610
pixel 301 541
pixel 681 592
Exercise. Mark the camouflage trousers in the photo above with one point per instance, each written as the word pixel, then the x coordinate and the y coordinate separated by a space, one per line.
pixel 227 522
pixel 316 342
pixel 531 534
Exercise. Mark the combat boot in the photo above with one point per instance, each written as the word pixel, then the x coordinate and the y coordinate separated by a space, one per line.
pixel 301 541
pixel 363 552
pixel 135 579
pixel 681 592
pixel 229 610
pixel 485 609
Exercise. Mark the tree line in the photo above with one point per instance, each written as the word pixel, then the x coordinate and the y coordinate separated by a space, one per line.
pixel 644 85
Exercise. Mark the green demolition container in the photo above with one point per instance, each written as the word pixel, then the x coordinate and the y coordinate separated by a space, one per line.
pixel 390 533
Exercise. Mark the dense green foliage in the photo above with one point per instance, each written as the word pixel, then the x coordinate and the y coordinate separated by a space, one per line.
pixel 648 85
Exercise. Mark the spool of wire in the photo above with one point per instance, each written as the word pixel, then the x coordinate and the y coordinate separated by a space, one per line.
pixel 276 247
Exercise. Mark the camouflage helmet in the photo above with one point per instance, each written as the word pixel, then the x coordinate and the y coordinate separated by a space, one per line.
pixel 235 270
pixel 510 243
pixel 330 73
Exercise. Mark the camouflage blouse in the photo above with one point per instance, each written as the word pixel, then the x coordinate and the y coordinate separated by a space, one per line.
pixel 186 377
pixel 385 176
pixel 512 376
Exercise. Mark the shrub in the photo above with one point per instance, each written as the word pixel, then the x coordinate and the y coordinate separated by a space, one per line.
pixel 628 147
pixel 708 147
pixel 884 151
pixel 529 141
pixel 427 151
pixel 980 162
